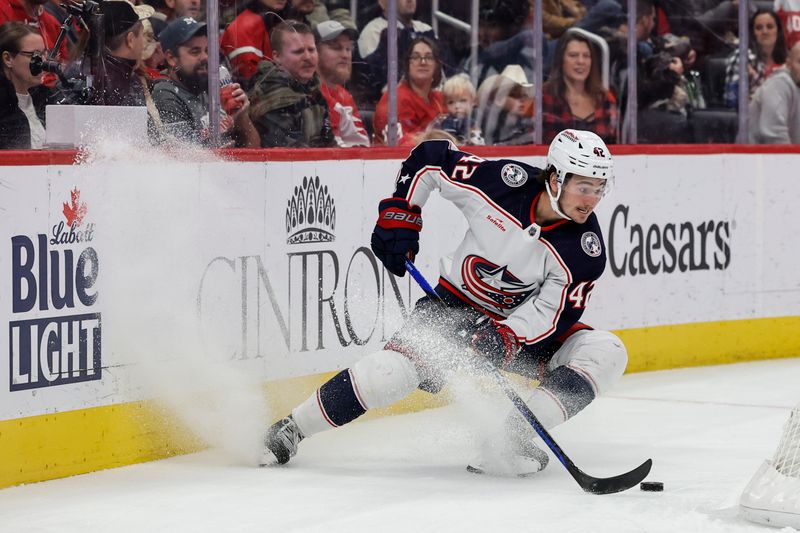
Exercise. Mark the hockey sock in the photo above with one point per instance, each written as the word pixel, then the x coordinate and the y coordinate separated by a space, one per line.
pixel 334 404
pixel 562 394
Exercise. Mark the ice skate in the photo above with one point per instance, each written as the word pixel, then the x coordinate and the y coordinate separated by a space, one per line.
pixel 520 459
pixel 281 442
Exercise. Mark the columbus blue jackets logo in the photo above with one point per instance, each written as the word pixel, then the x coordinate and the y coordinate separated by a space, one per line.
pixel 492 284
pixel 590 243
pixel 514 175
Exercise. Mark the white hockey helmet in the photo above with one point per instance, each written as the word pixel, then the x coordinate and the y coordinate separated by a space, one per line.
pixel 578 152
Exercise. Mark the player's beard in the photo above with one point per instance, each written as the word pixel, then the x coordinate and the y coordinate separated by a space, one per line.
pixel 195 83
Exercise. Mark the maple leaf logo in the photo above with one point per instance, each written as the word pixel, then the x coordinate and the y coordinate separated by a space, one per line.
pixel 75 210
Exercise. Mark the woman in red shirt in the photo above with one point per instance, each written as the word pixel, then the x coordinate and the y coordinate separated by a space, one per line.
pixel 418 103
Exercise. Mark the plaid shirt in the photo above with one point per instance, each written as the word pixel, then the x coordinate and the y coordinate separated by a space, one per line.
pixel 762 72
pixel 557 116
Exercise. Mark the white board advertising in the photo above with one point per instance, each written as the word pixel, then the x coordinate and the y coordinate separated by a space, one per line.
pixel 108 271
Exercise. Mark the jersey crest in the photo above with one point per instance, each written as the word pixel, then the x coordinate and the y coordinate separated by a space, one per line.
pixel 493 284
pixel 514 175
pixel 590 243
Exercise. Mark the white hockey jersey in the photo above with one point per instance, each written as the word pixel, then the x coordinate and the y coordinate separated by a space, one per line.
pixel 536 280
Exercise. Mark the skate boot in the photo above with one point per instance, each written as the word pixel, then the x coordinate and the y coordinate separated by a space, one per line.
pixel 516 459
pixel 281 442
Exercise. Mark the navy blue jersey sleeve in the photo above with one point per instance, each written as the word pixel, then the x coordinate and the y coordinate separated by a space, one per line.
pixel 427 164
pixel 469 181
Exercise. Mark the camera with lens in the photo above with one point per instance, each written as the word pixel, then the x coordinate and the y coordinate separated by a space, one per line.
pixel 84 10
pixel 74 86
pixel 40 64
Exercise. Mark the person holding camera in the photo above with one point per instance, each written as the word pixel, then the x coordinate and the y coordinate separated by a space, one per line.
pixel 116 79
pixel 21 110
pixel 182 99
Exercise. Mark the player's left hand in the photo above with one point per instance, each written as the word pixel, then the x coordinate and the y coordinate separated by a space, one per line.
pixel 497 342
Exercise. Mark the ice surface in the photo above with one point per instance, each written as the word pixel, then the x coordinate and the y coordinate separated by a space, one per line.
pixel 707 430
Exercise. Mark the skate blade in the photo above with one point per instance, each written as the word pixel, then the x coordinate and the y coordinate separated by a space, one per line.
pixel 268 459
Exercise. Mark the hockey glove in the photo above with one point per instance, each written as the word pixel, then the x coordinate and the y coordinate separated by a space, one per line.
pixel 396 234
pixel 496 342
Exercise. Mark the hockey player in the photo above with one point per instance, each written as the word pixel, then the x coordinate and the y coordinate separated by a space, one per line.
pixel 515 288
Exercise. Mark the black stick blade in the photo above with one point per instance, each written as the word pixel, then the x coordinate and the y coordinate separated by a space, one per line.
pixel 610 485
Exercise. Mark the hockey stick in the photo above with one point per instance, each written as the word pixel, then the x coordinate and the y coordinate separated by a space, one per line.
pixel 594 485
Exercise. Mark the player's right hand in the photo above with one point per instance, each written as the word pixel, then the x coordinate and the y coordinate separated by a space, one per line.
pixel 396 234
pixel 497 342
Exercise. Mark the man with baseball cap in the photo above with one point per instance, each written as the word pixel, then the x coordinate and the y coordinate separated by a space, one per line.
pixel 182 99
pixel 116 82
pixel 335 48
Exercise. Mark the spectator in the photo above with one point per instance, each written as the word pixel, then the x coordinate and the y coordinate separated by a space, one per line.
pixel 331 10
pixel 709 24
pixel 501 19
pixel 505 107
pixel 54 7
pixel 767 53
pixel 147 71
pixel 775 108
pixel 335 48
pixel 645 23
pixel 680 48
pixel 408 28
pixel 182 98
pixel 560 15
pixel 460 121
pixel 183 8
pixel 789 13
pixel 246 41
pixel 661 87
pixel 435 133
pixel 299 10
pixel 161 11
pixel 21 111
pixel 313 12
pixel 372 74
pixel 618 47
pixel 505 37
pixel 663 104
pixel 574 96
pixel 418 101
pixel 287 105
pixel 117 82
pixel 32 12
pixel 153 55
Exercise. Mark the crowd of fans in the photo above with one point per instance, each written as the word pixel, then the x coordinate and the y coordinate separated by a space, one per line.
pixel 308 73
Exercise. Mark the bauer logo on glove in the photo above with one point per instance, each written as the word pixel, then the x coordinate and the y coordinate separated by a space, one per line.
pixel 402 216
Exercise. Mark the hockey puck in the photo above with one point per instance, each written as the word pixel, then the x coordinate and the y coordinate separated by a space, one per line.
pixel 651 486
